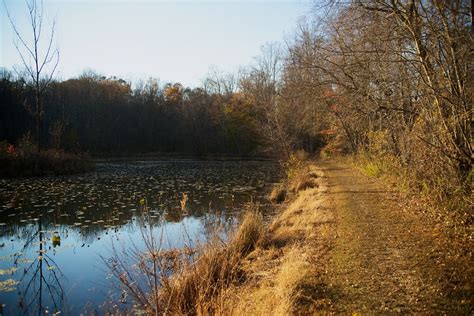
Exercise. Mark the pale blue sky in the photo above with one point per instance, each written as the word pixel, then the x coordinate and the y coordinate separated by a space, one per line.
pixel 170 40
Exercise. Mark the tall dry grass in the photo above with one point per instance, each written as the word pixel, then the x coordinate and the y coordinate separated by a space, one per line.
pixel 187 281
pixel 299 177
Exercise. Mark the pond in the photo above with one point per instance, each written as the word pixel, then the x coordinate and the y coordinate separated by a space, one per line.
pixel 55 231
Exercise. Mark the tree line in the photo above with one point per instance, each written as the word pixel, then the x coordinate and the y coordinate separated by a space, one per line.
pixel 229 114
pixel 102 115
pixel 390 79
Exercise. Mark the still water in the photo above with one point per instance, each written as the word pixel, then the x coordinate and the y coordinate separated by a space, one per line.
pixel 55 232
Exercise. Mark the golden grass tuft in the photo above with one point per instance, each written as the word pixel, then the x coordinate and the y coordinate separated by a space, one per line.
pixel 279 285
pixel 249 232
pixel 278 194
pixel 303 181
pixel 294 272
pixel 196 288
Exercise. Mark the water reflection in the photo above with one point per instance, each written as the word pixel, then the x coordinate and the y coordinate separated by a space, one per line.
pixel 53 230
pixel 42 277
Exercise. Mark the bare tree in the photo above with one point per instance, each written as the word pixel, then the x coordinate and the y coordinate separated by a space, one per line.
pixel 439 40
pixel 262 86
pixel 39 56
pixel 397 71
pixel 221 82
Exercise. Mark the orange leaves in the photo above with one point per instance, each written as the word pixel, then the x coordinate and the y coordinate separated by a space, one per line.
pixel 328 132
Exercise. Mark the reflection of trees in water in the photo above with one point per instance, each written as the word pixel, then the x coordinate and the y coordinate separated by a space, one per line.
pixel 41 278
pixel 23 226
pixel 216 222
pixel 119 186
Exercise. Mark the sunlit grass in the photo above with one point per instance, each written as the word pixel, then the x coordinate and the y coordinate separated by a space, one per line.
pixel 187 280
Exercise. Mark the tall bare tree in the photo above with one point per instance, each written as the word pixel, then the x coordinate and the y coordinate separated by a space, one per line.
pixel 262 86
pixel 39 56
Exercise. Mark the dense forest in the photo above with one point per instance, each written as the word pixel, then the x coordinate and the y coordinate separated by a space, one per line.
pixel 387 79
pixel 102 115
pixel 107 116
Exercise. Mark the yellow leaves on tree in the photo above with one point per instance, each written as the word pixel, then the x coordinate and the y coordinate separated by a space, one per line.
pixel 174 93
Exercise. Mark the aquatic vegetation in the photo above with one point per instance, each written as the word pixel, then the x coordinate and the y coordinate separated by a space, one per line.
pixel 81 214
pixel 184 201
pixel 8 271
pixel 8 285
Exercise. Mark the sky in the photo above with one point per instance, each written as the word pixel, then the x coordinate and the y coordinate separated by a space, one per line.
pixel 175 41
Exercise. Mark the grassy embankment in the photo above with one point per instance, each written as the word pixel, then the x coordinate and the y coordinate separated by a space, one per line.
pixel 282 266
pixel 261 267
pixel 285 272
pixel 342 234
pixel 25 161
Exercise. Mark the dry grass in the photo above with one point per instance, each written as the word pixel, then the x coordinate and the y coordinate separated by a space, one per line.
pixel 278 194
pixel 284 271
pixel 187 281
pixel 280 270
pixel 249 233
pixel 258 270
pixel 304 179
pixel 280 287
pixel 196 288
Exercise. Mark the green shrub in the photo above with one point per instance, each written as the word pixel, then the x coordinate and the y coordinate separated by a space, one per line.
pixel 372 169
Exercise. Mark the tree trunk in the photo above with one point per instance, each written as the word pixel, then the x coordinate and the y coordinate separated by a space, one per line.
pixel 38 120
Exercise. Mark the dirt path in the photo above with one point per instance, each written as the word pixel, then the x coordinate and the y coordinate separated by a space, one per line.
pixel 386 259
pixel 346 244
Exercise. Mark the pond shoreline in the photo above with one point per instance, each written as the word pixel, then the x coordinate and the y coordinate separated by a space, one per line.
pixel 76 217
pixel 341 246
pixel 25 164
pixel 176 157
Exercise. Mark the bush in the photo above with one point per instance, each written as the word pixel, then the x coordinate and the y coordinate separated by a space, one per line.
pixel 296 162
pixel 24 161
pixel 372 169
